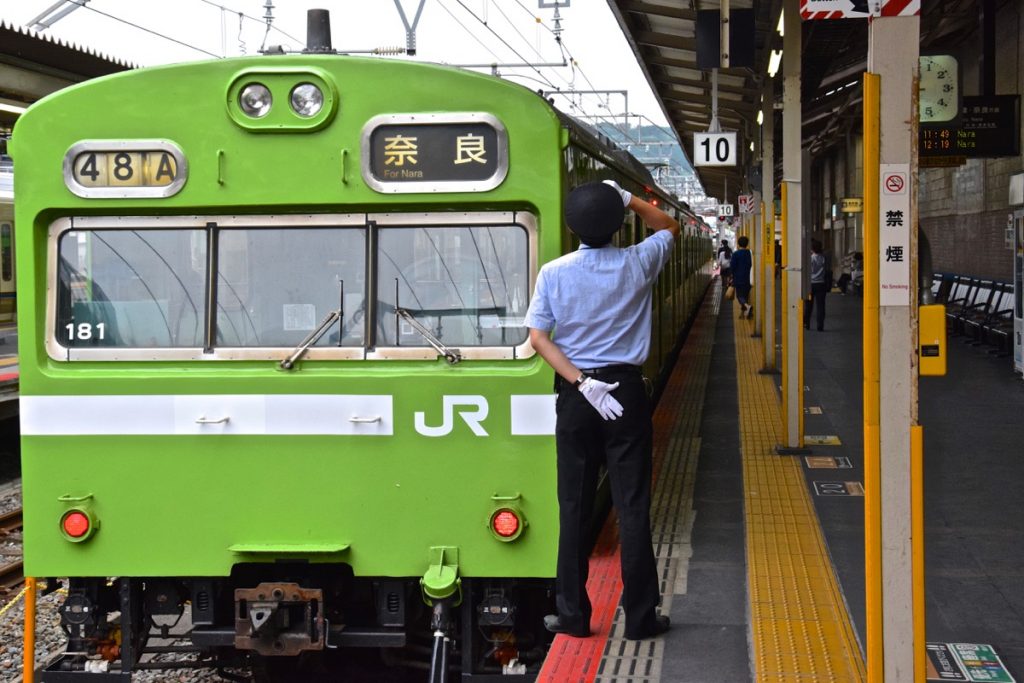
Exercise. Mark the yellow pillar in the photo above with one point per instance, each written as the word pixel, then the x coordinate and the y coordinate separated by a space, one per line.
pixel 872 387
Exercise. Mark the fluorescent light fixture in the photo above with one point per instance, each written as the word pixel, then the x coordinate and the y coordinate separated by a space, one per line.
pixel 13 109
pixel 779 27
pixel 774 62
pixel 760 116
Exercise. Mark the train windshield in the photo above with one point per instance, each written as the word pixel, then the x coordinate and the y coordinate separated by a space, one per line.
pixel 131 288
pixel 466 285
pixel 275 285
pixel 228 287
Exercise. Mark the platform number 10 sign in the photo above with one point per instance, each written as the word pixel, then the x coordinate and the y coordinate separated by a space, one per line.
pixel 714 149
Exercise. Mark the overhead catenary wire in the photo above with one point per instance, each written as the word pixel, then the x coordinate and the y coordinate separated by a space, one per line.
pixel 544 80
pixel 503 41
pixel 81 3
pixel 467 30
pixel 575 66
pixel 562 49
pixel 543 77
pixel 497 6
pixel 251 18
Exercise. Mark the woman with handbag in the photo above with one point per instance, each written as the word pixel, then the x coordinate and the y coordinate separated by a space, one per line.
pixel 724 256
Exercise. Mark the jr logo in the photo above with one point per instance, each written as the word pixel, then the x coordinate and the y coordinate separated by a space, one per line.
pixel 472 417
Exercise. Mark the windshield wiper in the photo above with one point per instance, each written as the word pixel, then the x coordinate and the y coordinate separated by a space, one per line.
pixel 300 350
pixel 451 355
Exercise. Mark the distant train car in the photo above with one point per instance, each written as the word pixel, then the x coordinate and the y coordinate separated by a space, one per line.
pixel 273 362
pixel 8 292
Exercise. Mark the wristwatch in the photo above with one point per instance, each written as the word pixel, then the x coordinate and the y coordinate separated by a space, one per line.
pixel 579 381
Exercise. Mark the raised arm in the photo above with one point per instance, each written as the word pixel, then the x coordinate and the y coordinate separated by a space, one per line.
pixel 653 217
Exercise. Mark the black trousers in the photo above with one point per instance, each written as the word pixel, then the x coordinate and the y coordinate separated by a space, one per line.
pixel 585 441
pixel 816 304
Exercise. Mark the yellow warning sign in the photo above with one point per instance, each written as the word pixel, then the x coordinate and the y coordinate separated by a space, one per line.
pixel 852 205
pixel 822 440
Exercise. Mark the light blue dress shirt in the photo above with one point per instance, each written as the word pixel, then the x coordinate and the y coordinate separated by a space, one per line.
pixel 598 301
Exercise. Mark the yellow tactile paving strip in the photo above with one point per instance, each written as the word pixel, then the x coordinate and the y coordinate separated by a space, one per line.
pixel 800 629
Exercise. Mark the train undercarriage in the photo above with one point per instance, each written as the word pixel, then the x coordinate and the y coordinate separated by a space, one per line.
pixel 303 622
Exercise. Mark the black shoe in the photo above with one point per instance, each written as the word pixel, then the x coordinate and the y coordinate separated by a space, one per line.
pixel 553 623
pixel 661 625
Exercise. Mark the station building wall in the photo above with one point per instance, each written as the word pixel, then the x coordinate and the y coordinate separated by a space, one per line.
pixel 837 174
pixel 964 210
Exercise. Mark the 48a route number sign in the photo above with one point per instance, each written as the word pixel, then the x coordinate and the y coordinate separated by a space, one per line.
pixel 714 149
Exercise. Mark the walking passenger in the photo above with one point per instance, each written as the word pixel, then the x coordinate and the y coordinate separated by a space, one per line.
pixel 598 302
pixel 742 262
pixel 724 256
pixel 819 287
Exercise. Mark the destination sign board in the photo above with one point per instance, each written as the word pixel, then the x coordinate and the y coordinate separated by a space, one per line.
pixel 124 169
pixel 989 127
pixel 441 153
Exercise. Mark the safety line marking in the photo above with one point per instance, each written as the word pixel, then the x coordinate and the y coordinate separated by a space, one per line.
pixel 800 629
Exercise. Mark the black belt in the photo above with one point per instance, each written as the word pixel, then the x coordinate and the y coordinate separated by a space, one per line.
pixel 618 369
pixel 607 371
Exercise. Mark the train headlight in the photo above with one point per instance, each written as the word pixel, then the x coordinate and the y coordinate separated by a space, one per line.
pixel 307 100
pixel 255 100
pixel 282 99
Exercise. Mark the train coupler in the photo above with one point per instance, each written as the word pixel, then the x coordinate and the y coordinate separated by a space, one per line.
pixel 441 581
pixel 279 619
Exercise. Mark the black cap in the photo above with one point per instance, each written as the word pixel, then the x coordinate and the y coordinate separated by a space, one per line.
pixel 594 212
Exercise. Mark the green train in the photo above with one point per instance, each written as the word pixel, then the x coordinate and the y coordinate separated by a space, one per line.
pixel 274 375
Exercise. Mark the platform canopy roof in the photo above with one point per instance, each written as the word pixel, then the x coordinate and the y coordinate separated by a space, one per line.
pixel 33 65
pixel 662 34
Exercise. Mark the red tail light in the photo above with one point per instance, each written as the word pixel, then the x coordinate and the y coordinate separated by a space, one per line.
pixel 505 523
pixel 75 524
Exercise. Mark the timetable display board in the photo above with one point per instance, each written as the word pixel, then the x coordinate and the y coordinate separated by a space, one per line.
pixel 989 126
pixel 435 153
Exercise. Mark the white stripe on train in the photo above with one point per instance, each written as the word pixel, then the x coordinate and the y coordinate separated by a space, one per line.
pixel 274 414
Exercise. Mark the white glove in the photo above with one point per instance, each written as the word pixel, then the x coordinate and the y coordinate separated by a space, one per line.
pixel 599 395
pixel 625 194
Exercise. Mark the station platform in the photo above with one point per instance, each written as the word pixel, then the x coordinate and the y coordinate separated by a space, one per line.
pixel 762 555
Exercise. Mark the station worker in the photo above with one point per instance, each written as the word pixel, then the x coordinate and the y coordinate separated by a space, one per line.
pixel 597 301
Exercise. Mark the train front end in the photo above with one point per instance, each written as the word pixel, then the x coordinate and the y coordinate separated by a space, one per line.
pixel 273 362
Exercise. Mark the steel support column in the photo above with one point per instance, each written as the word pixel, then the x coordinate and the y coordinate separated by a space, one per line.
pixel 767 307
pixel 793 244
pixel 893 50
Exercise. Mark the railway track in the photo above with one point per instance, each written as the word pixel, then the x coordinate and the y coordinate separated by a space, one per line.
pixel 11 567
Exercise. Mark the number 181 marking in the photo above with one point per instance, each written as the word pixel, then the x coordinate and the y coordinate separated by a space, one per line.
pixel 84 331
